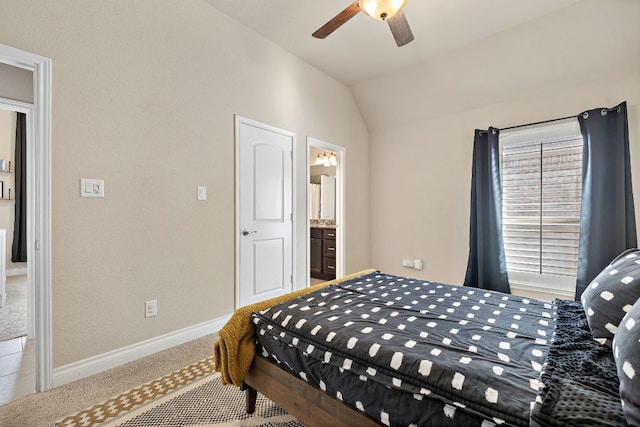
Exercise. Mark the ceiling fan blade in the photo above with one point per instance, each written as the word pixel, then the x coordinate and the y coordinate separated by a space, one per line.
pixel 337 21
pixel 400 28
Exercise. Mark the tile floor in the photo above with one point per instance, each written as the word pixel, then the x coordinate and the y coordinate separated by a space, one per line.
pixel 17 368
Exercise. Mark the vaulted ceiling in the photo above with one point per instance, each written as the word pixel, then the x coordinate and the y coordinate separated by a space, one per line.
pixel 363 47
pixel 466 53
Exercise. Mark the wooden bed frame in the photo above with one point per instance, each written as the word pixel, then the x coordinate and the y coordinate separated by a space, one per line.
pixel 310 405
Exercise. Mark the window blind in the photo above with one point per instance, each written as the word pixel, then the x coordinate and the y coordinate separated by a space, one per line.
pixel 541 198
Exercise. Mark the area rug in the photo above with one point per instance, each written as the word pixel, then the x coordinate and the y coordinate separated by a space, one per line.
pixel 192 396
pixel 13 315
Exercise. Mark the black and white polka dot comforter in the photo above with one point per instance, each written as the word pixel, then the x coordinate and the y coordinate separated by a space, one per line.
pixel 410 352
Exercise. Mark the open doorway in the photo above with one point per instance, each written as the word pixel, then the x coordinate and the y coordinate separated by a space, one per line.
pixel 17 343
pixel 325 211
pixel 37 110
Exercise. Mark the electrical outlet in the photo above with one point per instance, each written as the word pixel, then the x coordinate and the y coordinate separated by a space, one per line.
pixel 151 308
pixel 202 193
pixel 413 263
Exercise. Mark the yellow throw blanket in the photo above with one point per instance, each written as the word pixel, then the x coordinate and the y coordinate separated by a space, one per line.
pixel 236 345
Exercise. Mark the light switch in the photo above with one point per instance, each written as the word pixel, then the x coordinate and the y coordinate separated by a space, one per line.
pixel 202 193
pixel 91 187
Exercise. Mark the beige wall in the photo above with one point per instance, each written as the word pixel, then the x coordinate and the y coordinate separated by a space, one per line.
pixel 582 57
pixel 16 83
pixel 144 97
pixel 589 40
pixel 420 191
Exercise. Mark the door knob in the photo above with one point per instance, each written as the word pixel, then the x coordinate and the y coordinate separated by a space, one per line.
pixel 246 232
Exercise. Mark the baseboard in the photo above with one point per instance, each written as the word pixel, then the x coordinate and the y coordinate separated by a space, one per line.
pixel 16 271
pixel 96 364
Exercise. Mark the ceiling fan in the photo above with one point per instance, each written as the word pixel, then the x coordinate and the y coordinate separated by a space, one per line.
pixel 382 10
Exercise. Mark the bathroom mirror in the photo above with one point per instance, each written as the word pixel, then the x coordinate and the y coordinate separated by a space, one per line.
pixel 322 185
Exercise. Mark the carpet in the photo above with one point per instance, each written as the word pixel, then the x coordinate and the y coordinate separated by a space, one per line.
pixel 191 396
pixel 13 316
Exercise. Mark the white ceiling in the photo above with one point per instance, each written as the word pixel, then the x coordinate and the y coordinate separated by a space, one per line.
pixel 364 48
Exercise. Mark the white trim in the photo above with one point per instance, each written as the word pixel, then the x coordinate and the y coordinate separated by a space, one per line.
pixel 39 211
pixel 547 283
pixel 540 288
pixel 294 216
pixel 341 157
pixel 543 132
pixel 112 359
pixel 243 120
pixel 13 105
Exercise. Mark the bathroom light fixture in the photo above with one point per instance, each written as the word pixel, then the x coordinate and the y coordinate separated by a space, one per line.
pixel 326 159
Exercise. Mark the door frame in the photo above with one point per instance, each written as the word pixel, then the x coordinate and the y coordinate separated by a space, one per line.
pixel 39 202
pixel 294 238
pixel 341 157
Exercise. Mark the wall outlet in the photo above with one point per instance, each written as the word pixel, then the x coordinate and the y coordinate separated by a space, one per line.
pixel 202 192
pixel 413 263
pixel 151 308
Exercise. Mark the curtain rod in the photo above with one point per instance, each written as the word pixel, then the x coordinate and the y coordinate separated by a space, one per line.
pixel 604 111
pixel 538 123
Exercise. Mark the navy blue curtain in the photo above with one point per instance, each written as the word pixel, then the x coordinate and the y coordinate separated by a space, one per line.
pixel 607 223
pixel 487 266
pixel 19 246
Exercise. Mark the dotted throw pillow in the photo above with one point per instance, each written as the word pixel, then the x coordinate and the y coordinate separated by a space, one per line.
pixel 626 352
pixel 611 294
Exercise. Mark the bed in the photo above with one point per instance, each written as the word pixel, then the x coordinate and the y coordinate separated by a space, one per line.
pixel 381 349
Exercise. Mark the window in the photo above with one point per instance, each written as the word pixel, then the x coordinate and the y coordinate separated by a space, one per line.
pixel 541 197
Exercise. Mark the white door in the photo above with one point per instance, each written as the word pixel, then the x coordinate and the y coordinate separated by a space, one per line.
pixel 264 229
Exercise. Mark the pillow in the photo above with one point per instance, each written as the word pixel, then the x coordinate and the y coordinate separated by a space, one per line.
pixel 611 294
pixel 626 352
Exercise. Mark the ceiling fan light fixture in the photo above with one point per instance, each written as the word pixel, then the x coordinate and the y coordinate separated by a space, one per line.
pixel 381 9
